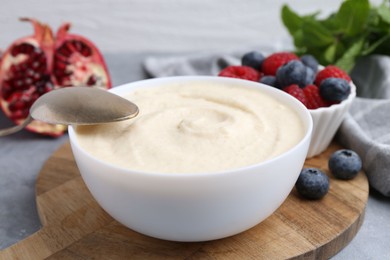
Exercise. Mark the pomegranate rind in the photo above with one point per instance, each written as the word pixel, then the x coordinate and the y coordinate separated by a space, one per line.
pixel 47 129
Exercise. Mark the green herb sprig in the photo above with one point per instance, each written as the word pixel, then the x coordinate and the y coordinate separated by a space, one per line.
pixel 356 29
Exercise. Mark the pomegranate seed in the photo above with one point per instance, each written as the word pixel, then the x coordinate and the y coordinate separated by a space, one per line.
pixel 22 48
pixel 6 90
pixel 35 64
pixel 61 73
pixel 19 114
pixel 16 105
pixel 44 86
pixel 82 48
pixel 59 57
pixel 18 83
pixel 42 68
pixel 23 66
pixel 60 65
pixel 14 68
pixel 28 81
pixel 85 50
pixel 36 76
pixel 45 77
pixel 34 97
pixel 64 50
pixel 91 80
pixel 71 46
pixel 27 48
pixel 30 73
pixel 77 45
pixel 36 53
pixel 42 59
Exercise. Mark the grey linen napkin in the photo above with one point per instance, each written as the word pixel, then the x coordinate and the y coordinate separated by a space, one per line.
pixel 366 129
pixel 196 64
pixel 205 63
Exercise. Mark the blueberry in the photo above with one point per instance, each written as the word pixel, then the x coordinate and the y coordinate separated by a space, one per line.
pixel 345 164
pixel 268 80
pixel 310 62
pixel 293 72
pixel 312 183
pixel 335 89
pixel 253 59
pixel 310 76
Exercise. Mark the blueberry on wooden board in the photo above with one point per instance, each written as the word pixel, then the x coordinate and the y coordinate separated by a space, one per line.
pixel 312 183
pixel 345 164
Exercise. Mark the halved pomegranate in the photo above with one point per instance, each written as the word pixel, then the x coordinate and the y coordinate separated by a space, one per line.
pixel 39 63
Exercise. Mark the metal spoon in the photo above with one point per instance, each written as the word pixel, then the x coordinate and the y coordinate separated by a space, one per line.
pixel 77 106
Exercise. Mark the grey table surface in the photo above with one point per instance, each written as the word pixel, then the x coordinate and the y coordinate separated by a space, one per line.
pixel 23 154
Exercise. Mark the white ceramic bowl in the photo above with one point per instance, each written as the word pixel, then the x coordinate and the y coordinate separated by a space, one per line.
pixel 195 207
pixel 326 121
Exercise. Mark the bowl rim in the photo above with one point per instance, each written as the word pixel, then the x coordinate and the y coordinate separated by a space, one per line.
pixel 297 105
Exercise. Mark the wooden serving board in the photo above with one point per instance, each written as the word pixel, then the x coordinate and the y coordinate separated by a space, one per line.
pixel 75 227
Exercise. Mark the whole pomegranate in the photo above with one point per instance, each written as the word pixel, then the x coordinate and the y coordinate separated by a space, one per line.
pixel 39 63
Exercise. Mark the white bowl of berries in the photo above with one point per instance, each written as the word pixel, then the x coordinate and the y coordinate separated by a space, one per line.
pixel 327 92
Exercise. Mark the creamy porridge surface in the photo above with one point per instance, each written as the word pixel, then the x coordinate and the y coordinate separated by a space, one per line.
pixel 195 127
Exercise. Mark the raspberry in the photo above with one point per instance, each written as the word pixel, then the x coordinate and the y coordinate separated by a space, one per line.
pixel 240 72
pixel 274 61
pixel 331 71
pixel 295 91
pixel 313 97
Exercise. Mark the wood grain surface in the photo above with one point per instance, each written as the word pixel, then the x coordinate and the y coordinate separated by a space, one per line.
pixel 75 227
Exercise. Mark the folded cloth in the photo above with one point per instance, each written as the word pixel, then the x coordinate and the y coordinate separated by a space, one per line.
pixel 371 75
pixel 366 129
pixel 204 64
pixel 196 64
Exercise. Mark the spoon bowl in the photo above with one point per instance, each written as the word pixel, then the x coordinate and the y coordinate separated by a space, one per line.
pixel 78 106
pixel 82 106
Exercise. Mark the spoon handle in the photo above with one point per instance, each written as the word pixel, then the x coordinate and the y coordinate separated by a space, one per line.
pixel 17 128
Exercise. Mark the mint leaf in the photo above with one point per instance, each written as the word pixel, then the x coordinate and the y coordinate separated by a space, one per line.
pixel 373 18
pixel 384 13
pixel 352 16
pixel 330 53
pixel 315 34
pixel 332 24
pixel 355 29
pixel 347 60
pixel 298 39
pixel 291 20
pixel 371 48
